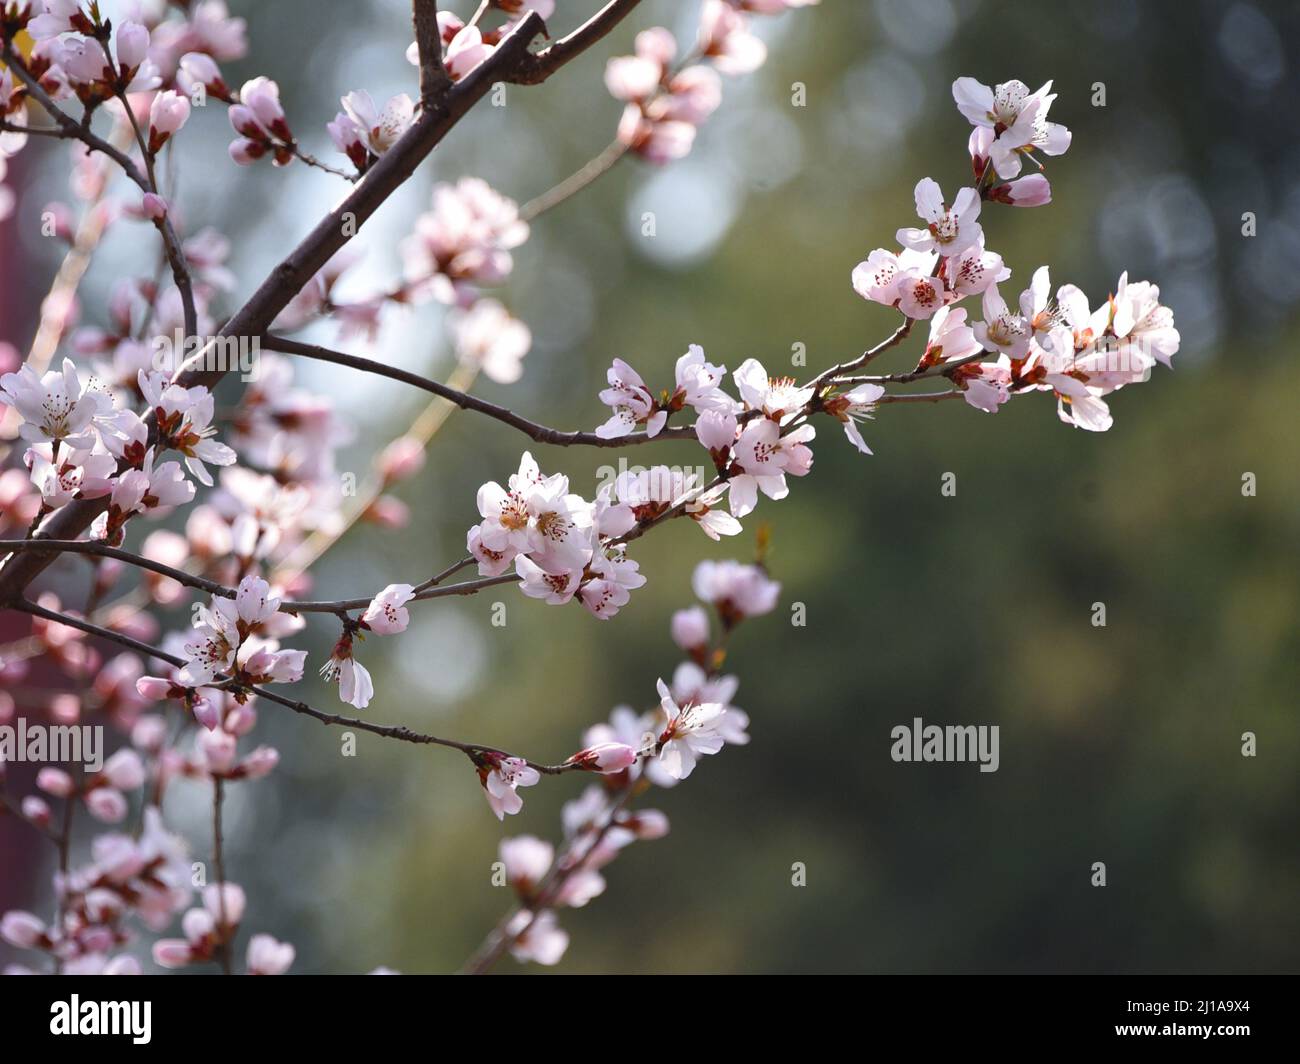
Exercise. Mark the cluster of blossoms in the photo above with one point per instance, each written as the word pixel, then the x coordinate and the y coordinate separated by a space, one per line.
pixel 105 433
pixel 1060 345
pixel 666 104
pixel 83 446
pixel 694 718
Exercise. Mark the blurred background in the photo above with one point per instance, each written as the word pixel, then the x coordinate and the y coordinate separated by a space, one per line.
pixel 1119 744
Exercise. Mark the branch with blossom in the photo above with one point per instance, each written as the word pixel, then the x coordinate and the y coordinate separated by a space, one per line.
pixel 126 429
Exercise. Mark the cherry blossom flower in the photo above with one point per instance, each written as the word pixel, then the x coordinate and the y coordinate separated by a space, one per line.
pixel 690 629
pixel 78 473
pixel 526 860
pixel 260 121
pixel 463 242
pixel 184 417
pixel 199 68
pixel 205 929
pixel 1141 319
pixel 852 406
pixel 613 577
pixel 268 956
pixel 167 114
pixel 224 627
pixel 140 490
pixel 387 613
pixel 501 777
pixel 554 588
pixel 726 40
pixel 634 78
pixel 1017 117
pixel 537 937
pixel 690 733
pixel 949 230
pixel 488 338
pixel 465 51
pixel 970 272
pixel 381 127
pixel 1033 190
pixel 779 398
pixel 631 401
pixel 55 407
pixel 764 457
pixel 355 685
pixel 59 16
pixel 1002 331
pixel 737 591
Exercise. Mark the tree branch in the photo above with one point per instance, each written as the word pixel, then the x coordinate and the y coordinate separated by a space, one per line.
pixel 315 250
pixel 537 68
pixel 434 79
pixel 387 731
pixel 539 433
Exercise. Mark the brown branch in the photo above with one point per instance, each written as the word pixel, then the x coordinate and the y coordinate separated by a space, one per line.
pixel 539 433
pixel 315 250
pixel 434 79
pixel 429 589
pixel 537 68
pixel 387 731
pixel 897 337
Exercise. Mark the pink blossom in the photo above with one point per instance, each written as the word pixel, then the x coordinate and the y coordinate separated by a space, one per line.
pixel 387 614
pixel 501 778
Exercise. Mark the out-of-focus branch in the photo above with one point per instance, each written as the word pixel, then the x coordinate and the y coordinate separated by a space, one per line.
pixel 81 131
pixel 575 182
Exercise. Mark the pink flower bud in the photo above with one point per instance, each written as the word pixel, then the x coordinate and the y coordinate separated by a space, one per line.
pixel 207 712
pixel 690 628
pixel 124 770
pixel 171 953
pixel 200 68
pixel 106 805
pixel 402 458
pixel 261 762
pixel 65 708
pixel 245 152
pixel 240 719
pixel 605 757
pixel 132 45
pixel 54 781
pixel 149 732
pixel 1031 191
pixel 153 207
pixel 21 929
pixel 646 824
pixel 36 810
pixel 153 687
pixel 388 511
pixel 169 111
pixel 226 903
pixel 261 96
pixel 266 956
pixel 218 748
